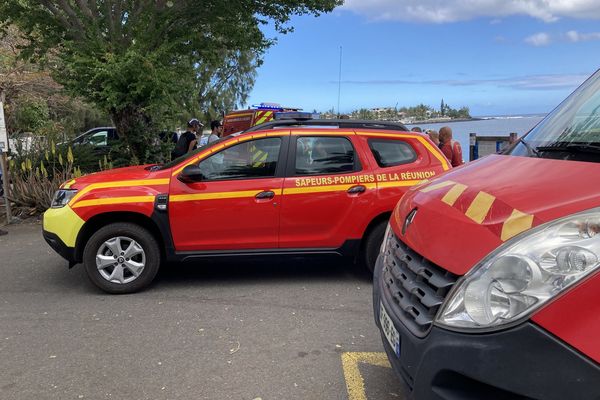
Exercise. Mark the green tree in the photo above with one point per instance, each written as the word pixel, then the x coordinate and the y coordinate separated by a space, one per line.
pixel 142 61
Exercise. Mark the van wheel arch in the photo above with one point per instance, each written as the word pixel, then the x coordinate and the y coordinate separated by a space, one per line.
pixel 371 240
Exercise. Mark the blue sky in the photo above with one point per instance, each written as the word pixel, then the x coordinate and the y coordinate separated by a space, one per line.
pixel 495 56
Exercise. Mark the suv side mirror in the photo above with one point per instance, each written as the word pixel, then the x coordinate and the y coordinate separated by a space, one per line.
pixel 191 174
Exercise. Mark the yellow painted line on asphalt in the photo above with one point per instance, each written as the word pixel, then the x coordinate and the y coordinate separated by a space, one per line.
pixel 517 222
pixel 355 383
pixel 454 193
pixel 480 206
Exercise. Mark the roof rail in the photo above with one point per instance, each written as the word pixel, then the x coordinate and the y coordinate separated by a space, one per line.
pixel 340 123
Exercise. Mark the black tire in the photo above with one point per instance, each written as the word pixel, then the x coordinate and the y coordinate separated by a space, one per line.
pixel 372 245
pixel 124 230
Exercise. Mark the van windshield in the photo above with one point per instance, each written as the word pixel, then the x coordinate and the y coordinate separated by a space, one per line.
pixel 569 132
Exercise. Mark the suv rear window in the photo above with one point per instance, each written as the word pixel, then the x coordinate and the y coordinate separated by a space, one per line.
pixel 324 155
pixel 389 153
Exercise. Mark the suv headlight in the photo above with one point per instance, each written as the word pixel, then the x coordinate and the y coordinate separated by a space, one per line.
pixel 62 197
pixel 524 274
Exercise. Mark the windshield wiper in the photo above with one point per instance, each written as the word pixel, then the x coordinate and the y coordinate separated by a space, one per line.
pixel 572 148
pixel 530 149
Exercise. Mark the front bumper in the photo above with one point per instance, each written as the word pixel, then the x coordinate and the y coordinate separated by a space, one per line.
pixel 68 253
pixel 521 362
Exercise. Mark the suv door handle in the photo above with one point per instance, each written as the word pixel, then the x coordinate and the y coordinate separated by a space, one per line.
pixel 358 189
pixel 267 194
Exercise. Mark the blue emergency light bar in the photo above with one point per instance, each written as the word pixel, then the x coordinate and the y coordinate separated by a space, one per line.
pixel 267 106
pixel 274 107
pixel 296 115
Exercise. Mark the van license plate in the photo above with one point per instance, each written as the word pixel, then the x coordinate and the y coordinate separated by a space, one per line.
pixel 389 330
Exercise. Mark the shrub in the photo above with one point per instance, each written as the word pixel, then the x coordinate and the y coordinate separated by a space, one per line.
pixel 42 166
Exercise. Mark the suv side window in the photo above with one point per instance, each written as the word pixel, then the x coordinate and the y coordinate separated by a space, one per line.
pixel 252 159
pixel 324 155
pixel 389 153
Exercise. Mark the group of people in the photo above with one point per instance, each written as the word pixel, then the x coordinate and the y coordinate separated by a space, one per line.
pixel 192 138
pixel 450 147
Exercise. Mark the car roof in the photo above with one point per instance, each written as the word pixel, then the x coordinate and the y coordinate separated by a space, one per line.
pixel 330 124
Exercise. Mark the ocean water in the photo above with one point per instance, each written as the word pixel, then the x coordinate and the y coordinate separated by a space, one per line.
pixel 487 126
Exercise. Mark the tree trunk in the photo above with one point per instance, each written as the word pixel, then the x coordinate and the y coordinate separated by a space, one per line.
pixel 133 128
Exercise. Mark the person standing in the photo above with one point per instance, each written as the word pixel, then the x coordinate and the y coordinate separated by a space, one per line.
pixel 187 141
pixel 216 128
pixel 450 148
pixel 434 136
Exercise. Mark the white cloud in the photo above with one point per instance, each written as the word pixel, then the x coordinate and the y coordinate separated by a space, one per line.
pixel 544 39
pixel 574 36
pixel 529 82
pixel 539 39
pixel 441 11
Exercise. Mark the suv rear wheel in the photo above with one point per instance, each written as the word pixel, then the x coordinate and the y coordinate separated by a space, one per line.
pixel 121 258
pixel 372 245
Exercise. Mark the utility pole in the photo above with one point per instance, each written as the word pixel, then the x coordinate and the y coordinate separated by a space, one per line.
pixel 3 157
pixel 339 84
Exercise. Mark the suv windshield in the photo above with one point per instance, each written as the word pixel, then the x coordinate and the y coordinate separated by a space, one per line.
pixel 571 131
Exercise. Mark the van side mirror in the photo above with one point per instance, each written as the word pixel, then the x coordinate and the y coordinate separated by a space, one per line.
pixel 191 174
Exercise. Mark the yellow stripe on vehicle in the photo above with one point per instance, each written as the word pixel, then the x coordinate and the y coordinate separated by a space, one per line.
pixel 383 185
pixel 218 195
pixel 454 193
pixel 118 184
pixel 480 207
pixel 517 222
pixel 329 188
pixel 114 200
pixel 437 186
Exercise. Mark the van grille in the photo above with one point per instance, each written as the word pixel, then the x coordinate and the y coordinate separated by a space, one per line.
pixel 414 287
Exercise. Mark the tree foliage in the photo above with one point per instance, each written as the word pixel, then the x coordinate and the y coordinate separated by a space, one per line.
pixel 143 60
pixel 34 101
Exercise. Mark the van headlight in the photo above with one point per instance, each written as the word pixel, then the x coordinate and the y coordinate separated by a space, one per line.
pixel 62 197
pixel 524 274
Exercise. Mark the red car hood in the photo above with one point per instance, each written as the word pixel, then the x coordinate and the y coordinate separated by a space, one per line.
pixel 468 212
pixel 118 174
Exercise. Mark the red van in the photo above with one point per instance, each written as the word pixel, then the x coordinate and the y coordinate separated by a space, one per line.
pixel 488 281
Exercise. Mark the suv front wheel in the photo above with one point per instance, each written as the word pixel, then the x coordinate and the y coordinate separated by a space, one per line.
pixel 121 258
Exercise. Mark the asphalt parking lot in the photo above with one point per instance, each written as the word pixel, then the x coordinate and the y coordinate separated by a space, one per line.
pixel 291 329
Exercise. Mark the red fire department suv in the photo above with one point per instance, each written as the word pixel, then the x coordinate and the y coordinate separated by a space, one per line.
pixel 311 187
pixel 488 281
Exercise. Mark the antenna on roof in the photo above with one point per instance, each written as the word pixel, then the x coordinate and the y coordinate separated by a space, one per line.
pixel 339 84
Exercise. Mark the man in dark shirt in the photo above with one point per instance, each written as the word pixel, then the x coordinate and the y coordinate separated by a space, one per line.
pixel 187 141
